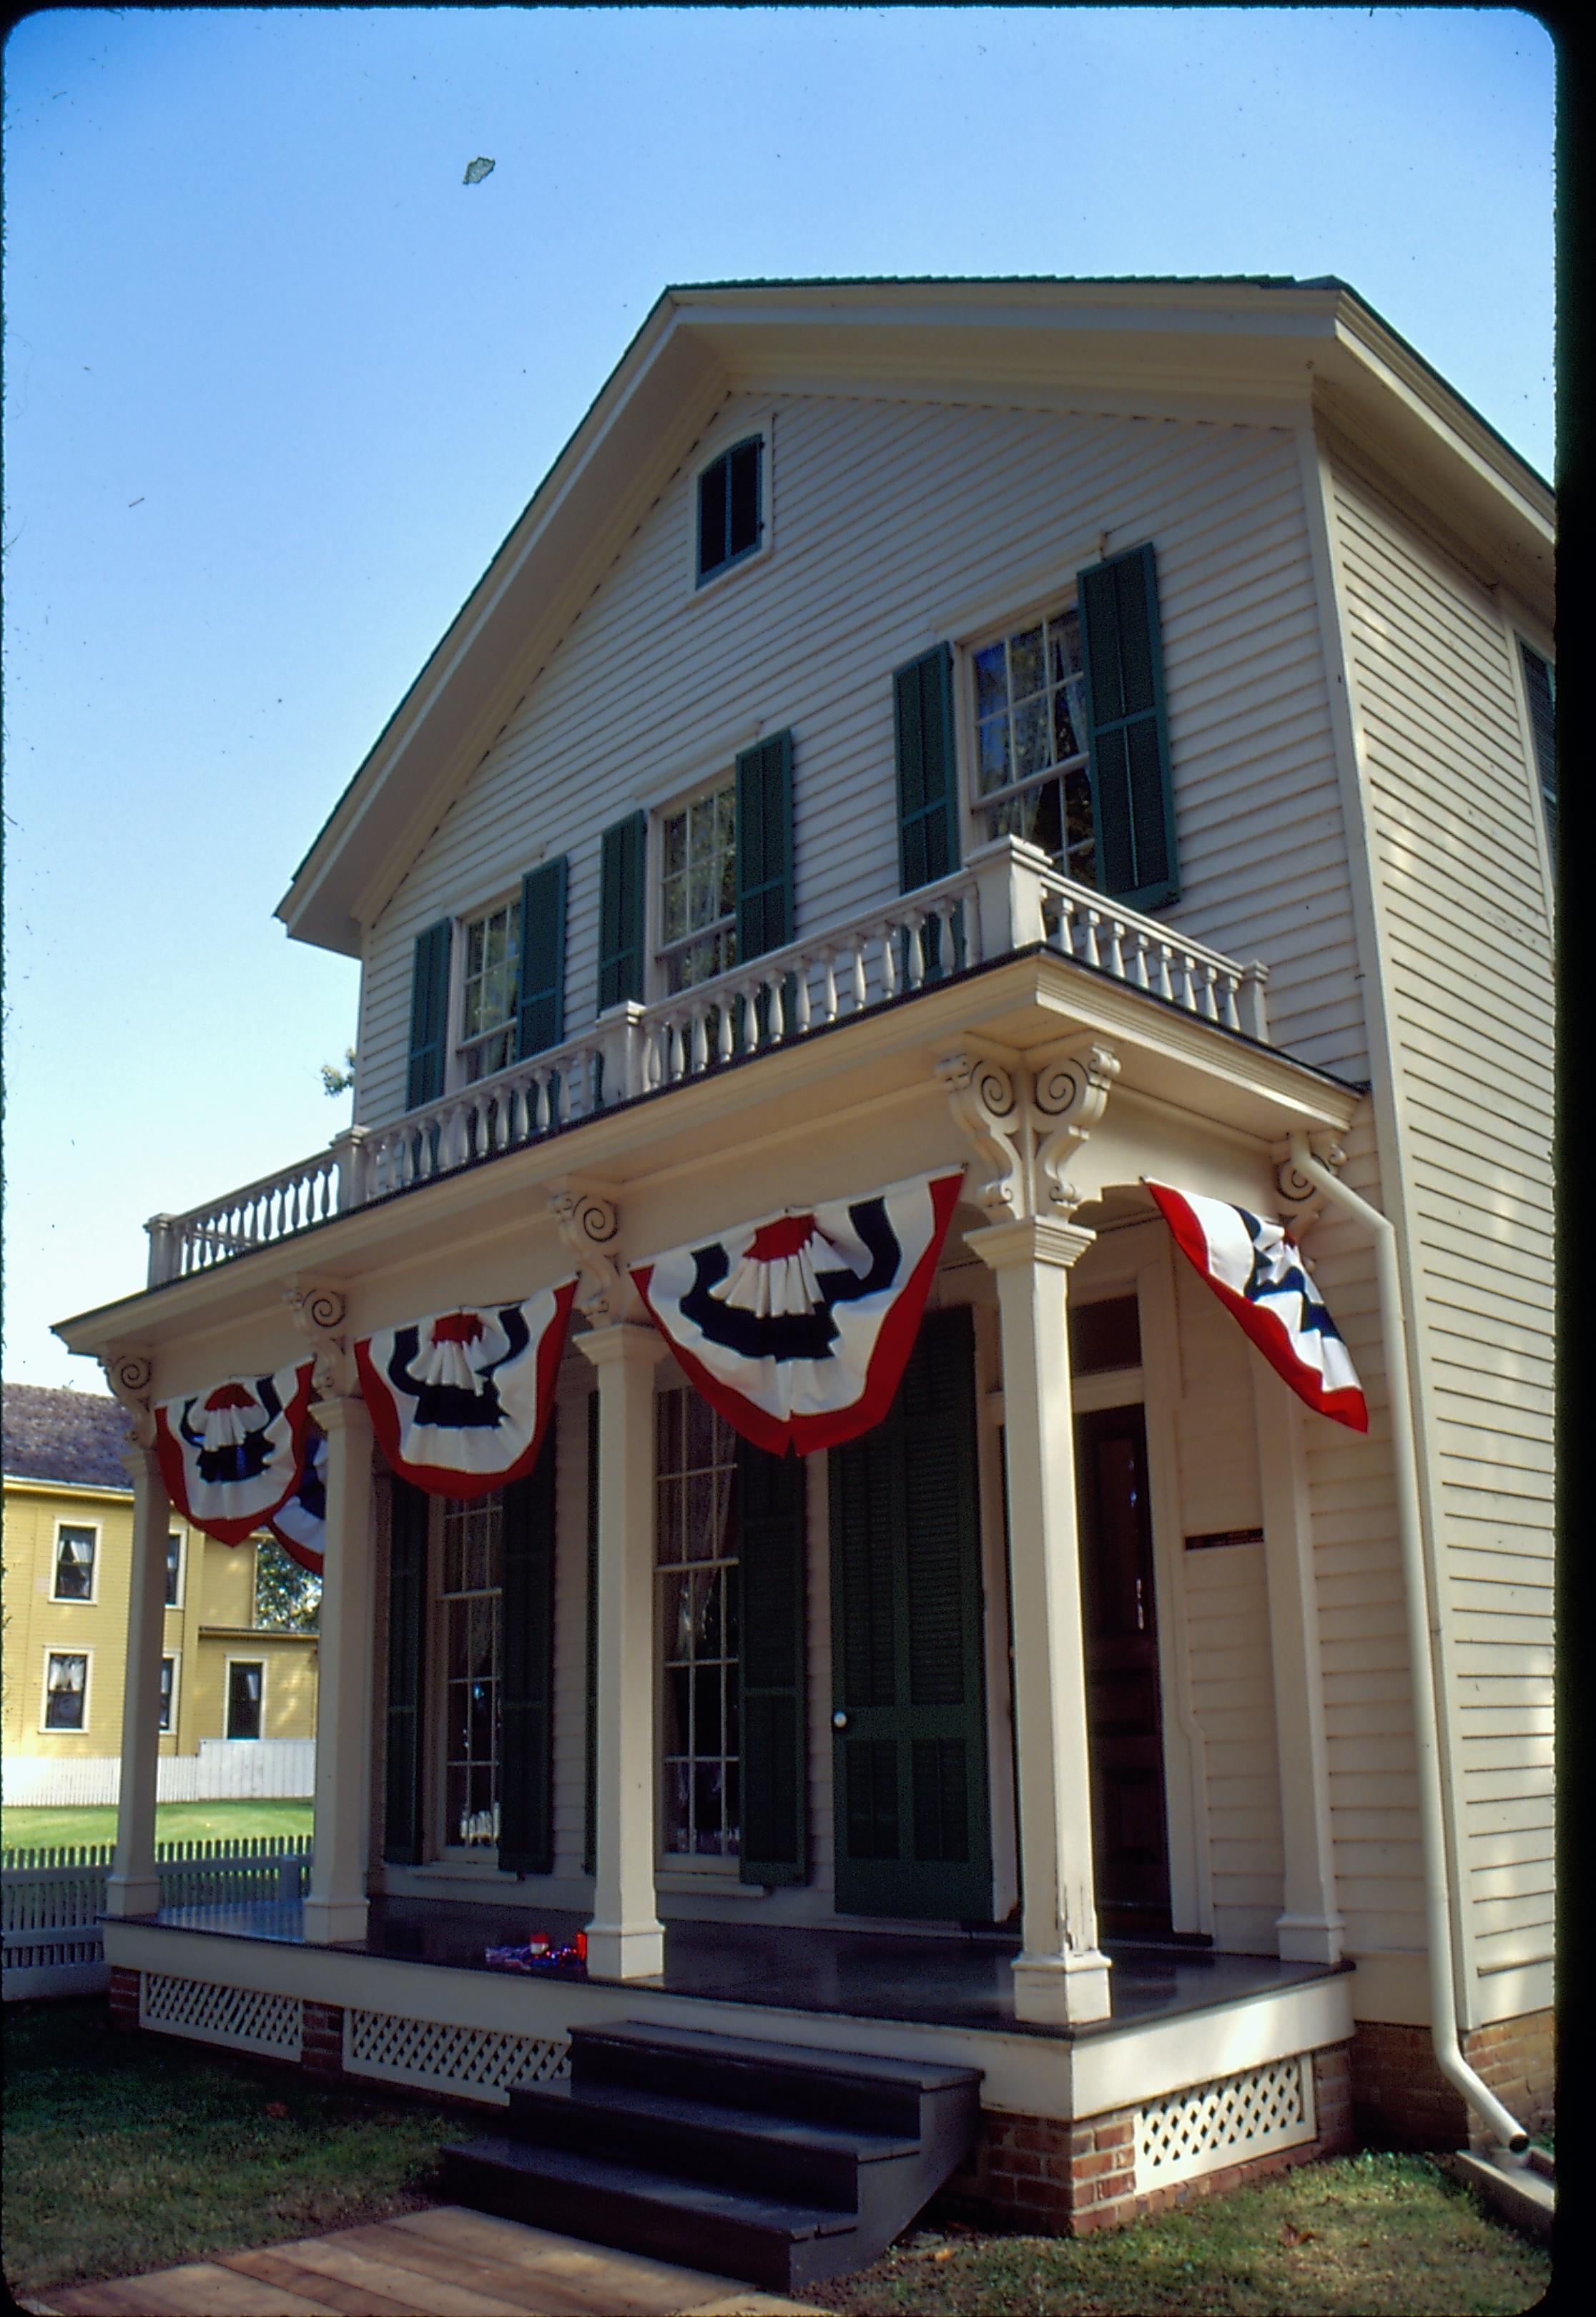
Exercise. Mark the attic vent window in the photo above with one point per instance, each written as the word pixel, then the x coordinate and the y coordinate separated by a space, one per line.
pixel 731 514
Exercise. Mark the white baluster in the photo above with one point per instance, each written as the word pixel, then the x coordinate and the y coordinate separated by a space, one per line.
pixel 914 948
pixel 1189 996
pixel 947 909
pixel 1166 988
pixel 746 1000
pixel 777 1011
pixel 700 1040
pixel 1116 958
pixel 828 986
pixel 1138 972
pixel 1210 1003
pixel 886 934
pixel 1091 920
pixel 725 1034
pixel 1230 1014
pixel 801 999
pixel 860 984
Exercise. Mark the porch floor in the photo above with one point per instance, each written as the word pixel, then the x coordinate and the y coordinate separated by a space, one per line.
pixel 948 1978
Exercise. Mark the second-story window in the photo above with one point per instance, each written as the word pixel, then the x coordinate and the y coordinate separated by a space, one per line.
pixel 489 982
pixel 699 889
pixel 174 1568
pixel 731 514
pixel 1540 693
pixel 75 1563
pixel 1031 778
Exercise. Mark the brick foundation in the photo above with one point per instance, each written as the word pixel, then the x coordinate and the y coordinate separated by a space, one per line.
pixel 1401 2100
pixel 322 2049
pixel 123 1997
pixel 1050 2176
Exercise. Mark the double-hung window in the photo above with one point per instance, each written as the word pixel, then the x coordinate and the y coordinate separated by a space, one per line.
pixel 167 1723
pixel 174 1568
pixel 471 1602
pixel 697 892
pixel 696 1555
pixel 66 1689
pixel 75 1562
pixel 1031 748
pixel 731 521
pixel 490 982
pixel 247 1697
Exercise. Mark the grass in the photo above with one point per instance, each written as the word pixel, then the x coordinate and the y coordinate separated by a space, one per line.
pixel 125 2154
pixel 29 1829
pixel 131 2153
pixel 1362 2233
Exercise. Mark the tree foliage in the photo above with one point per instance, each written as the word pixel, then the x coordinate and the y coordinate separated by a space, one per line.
pixel 287 1597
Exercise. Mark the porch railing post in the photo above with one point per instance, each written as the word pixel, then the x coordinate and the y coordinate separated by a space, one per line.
pixel 625 1939
pixel 618 1036
pixel 1061 1975
pixel 133 1886
pixel 349 1156
pixel 163 1250
pixel 335 1905
pixel 1009 875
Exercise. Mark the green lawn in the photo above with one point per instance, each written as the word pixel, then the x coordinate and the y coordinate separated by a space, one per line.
pixel 26 1830
pixel 128 2154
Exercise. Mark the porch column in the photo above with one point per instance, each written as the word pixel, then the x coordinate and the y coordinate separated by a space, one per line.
pixel 1061 1975
pixel 1310 1930
pixel 133 1886
pixel 335 1905
pixel 625 1939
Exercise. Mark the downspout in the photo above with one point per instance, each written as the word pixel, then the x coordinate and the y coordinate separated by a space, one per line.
pixel 1423 1633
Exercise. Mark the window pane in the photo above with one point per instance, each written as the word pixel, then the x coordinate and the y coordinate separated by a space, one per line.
pixel 173 1565
pixel 993 754
pixel 74 1564
pixel 712 512
pixel 66 1686
pixel 1026 663
pixel 166 1673
pixel 992 683
pixel 743 524
pixel 697 1468
pixel 1032 740
pixel 244 1700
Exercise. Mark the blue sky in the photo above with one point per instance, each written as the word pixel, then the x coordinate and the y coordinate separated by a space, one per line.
pixel 278 383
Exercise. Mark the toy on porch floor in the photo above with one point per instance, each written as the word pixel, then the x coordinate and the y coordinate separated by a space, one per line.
pixel 539 1953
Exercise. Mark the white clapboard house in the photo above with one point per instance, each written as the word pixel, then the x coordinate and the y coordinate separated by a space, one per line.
pixel 1061 735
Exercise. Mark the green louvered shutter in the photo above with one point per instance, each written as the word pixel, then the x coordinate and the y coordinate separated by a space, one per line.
pixel 622 851
pixel 429 1015
pixel 540 1010
pixel 406 1665
pixel 1131 793
pixel 764 846
pixel 590 1845
pixel 771 1688
pixel 526 1679
pixel 927 795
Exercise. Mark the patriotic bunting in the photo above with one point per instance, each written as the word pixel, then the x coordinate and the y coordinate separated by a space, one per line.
pixel 301 1525
pixel 460 1402
pixel 1263 1282
pixel 797 1328
pixel 230 1456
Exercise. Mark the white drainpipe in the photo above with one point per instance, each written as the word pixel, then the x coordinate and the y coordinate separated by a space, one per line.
pixel 1424 1629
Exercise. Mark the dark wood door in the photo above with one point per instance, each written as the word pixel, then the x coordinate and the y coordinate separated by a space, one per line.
pixel 1130 1841
pixel 909 1725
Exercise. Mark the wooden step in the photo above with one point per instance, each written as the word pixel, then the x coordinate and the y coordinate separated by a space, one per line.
pixel 791 2080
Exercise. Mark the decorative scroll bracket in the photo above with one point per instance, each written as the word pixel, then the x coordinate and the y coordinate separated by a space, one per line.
pixel 319 1313
pixel 985 1096
pixel 1302 1202
pixel 1071 1087
pixel 591 1229
pixel 129 1375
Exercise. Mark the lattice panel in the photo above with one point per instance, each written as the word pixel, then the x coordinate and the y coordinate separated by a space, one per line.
pixel 473 2062
pixel 1225 2123
pixel 240 2017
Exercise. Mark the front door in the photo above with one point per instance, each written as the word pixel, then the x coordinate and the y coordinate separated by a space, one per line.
pixel 1130 1844
pixel 909 1720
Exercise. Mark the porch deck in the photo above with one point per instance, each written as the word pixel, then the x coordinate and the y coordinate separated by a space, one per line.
pixel 936 1979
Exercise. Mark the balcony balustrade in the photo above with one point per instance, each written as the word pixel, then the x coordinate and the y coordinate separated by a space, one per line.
pixel 1008 897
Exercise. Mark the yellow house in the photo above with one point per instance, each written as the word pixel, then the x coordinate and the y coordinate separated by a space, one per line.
pixel 225 1676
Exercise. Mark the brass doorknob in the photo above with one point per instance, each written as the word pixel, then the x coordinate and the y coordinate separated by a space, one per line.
pixel 839 1720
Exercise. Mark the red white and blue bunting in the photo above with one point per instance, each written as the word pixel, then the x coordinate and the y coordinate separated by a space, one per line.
pixel 301 1525
pixel 1260 1278
pixel 460 1402
pixel 231 1456
pixel 798 1328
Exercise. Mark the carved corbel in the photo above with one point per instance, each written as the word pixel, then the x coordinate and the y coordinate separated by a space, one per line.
pixel 1301 1202
pixel 129 1375
pixel 319 1313
pixel 591 1229
pixel 985 1102
pixel 1071 1088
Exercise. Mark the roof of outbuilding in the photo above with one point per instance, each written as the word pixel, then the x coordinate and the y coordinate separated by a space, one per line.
pixel 65 1436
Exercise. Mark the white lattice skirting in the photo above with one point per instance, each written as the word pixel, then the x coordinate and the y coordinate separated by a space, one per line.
pixel 1225 2123
pixel 238 2017
pixel 472 2062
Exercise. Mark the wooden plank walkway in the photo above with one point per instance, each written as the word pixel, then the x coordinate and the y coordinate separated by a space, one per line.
pixel 444 2262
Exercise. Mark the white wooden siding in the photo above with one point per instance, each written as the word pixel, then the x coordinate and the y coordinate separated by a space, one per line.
pixel 1466 969
pixel 888 516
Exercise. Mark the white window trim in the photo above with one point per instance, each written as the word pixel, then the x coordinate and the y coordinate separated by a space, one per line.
pixel 725 437
pixel 228 1662
pixel 176 1603
pixel 722 774
pixel 65 1600
pixel 176 1657
pixel 54 1649
pixel 967 642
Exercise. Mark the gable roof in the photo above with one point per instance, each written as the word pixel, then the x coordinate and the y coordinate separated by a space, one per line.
pixel 65 1436
pixel 1253 339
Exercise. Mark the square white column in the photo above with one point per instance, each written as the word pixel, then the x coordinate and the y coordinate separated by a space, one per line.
pixel 1061 1975
pixel 133 1886
pixel 335 1904
pixel 625 1939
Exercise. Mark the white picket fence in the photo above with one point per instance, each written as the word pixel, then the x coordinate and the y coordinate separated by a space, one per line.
pixel 51 1899
pixel 225 1769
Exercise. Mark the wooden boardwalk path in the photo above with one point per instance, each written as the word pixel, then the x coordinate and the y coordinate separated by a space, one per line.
pixel 444 2262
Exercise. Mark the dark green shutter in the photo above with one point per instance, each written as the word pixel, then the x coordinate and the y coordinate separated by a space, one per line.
pixel 623 849
pixel 590 1846
pixel 1132 797
pixel 771 1688
pixel 765 848
pixel 406 1672
pixel 541 1004
pixel 526 1683
pixel 429 1015
pixel 927 793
